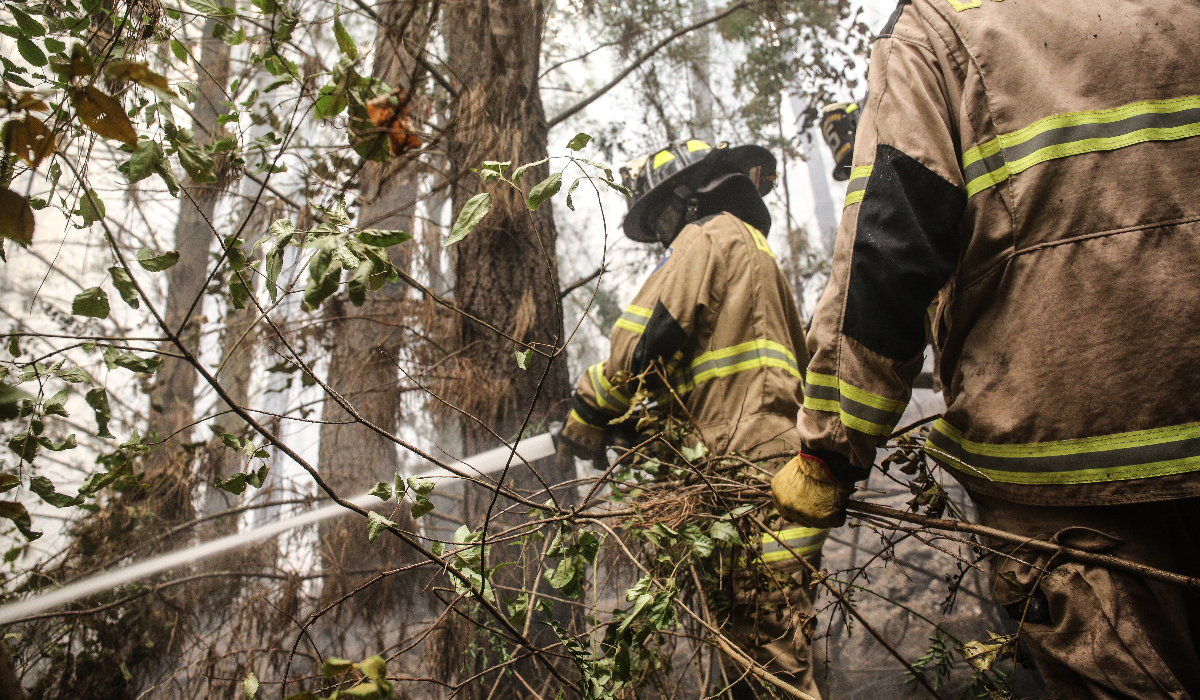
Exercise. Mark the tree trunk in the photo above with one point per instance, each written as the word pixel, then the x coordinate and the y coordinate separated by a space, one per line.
pixel 367 343
pixel 699 82
pixel 172 399
pixel 506 270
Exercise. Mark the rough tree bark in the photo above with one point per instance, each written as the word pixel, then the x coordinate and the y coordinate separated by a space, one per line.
pixel 506 270
pixel 367 341
pixel 172 399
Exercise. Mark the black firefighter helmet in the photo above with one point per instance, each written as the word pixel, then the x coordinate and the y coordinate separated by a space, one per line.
pixel 839 124
pixel 690 180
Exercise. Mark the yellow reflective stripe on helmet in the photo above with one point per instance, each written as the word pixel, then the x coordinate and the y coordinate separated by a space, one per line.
pixel 662 158
pixel 697 145
pixel 742 357
pixel 1074 133
pixel 760 241
pixel 803 540
pixel 607 396
pixel 634 319
pixel 857 186
pixel 857 408
pixel 1139 454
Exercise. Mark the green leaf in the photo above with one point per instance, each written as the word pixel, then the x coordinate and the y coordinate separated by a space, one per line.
pixel 238 291
pixel 98 400
pixel 724 531
pixel 16 512
pixel 53 406
pixel 16 217
pixel 179 50
pixel 25 445
pixel 523 357
pixel 211 9
pixel 334 667
pixel 29 26
pixel 472 213
pixel 381 490
pixel 694 454
pixel 189 91
pixel 92 303
pixel 578 142
pixel 436 548
pixel 91 208
pixel 344 42
pixel 147 158
pixel 570 192
pixel 9 482
pixel 544 190
pixel 44 488
pixel 10 401
pixel 250 686
pixel 520 172
pixel 124 284
pixel 235 484
pixel 325 274
pixel 421 506
pixel 31 53
pixel 383 239
pixel 133 363
pixel 198 165
pixel 376 524
pixel 373 667
pixel 422 487
pixel 157 263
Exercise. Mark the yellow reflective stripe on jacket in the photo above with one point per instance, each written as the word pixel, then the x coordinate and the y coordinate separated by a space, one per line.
pixel 859 409
pixel 804 540
pixel 575 414
pixel 1122 456
pixel 1070 134
pixel 634 319
pixel 739 358
pixel 607 396
pixel 857 186
pixel 760 241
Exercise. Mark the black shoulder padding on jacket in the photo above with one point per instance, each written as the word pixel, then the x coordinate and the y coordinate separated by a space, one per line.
pixel 905 248
pixel 891 23
pixel 663 338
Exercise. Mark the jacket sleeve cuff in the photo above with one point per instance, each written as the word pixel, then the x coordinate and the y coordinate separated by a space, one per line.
pixel 837 465
pixel 587 413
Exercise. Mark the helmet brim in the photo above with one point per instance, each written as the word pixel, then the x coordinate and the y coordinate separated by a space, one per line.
pixel 718 162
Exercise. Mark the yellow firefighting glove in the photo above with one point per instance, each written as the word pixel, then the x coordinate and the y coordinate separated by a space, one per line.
pixel 807 494
pixel 581 439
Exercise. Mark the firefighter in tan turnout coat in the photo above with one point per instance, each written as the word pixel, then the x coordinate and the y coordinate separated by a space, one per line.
pixel 1032 169
pixel 718 314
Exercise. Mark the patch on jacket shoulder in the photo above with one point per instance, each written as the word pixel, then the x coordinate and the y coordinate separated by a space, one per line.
pixel 663 260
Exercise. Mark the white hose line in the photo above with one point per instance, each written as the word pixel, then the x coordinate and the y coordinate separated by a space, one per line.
pixel 485 462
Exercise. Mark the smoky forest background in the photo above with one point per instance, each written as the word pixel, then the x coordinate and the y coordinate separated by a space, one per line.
pixel 286 263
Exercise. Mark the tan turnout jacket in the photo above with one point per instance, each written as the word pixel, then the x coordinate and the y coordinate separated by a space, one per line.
pixel 718 312
pixel 1032 169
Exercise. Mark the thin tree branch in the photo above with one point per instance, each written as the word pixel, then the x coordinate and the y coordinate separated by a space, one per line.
pixel 574 109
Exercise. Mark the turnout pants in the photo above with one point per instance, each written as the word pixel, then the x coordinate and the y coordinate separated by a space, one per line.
pixel 774 625
pixel 1095 632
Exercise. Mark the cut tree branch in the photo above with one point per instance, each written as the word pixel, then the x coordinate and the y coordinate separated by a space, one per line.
pixel 1106 560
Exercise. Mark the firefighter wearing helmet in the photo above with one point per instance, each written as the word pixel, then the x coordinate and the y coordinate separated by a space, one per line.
pixel 717 319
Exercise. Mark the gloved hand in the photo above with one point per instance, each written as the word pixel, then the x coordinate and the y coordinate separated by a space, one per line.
pixel 581 439
pixel 807 494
